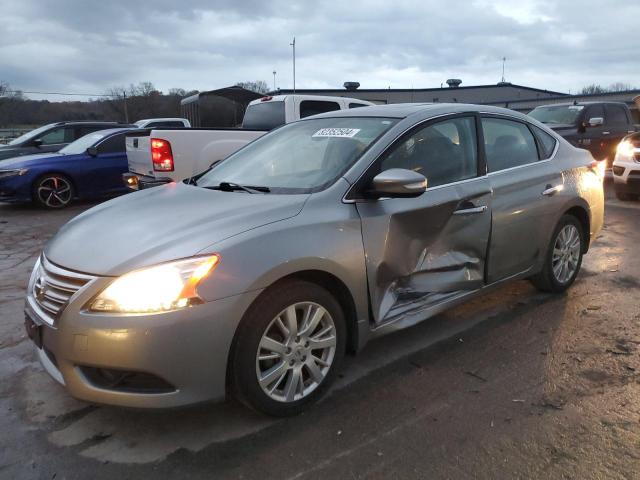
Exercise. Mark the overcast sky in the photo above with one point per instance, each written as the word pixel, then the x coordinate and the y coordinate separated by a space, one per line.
pixel 90 45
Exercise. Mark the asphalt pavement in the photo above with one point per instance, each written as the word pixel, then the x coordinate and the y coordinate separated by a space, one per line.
pixel 516 384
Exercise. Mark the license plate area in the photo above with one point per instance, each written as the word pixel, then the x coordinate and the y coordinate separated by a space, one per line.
pixel 34 331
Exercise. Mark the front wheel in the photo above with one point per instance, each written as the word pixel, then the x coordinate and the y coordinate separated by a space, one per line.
pixel 288 348
pixel 564 257
pixel 53 191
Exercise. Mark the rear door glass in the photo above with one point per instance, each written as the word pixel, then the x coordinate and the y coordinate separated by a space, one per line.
pixel 508 144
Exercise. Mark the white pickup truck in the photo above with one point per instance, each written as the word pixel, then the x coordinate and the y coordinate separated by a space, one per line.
pixel 158 156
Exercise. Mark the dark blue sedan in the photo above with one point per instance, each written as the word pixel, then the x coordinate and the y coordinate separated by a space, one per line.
pixel 89 168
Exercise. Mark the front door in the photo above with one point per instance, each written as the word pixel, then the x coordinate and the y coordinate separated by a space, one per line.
pixel 422 251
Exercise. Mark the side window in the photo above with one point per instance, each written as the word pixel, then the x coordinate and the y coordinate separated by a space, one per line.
pixel 57 136
pixel 357 105
pixel 616 115
pixel 444 152
pixel 508 144
pixel 547 142
pixel 595 111
pixel 314 107
pixel 114 144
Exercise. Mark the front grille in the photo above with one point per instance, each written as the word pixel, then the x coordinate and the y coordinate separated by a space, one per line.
pixel 54 286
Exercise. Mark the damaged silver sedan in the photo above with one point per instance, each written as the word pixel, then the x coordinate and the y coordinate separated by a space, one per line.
pixel 257 277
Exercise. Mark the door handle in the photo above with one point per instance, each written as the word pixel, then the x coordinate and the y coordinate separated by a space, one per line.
pixel 551 190
pixel 472 210
pixel 606 133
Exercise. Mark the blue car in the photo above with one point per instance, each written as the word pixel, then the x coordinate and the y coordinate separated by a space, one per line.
pixel 89 168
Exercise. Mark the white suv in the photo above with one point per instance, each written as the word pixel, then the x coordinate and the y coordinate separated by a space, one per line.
pixel 626 168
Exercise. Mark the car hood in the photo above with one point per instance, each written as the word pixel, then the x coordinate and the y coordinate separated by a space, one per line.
pixel 161 224
pixel 25 161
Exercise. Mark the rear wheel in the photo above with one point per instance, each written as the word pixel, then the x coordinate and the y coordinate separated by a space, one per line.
pixel 564 257
pixel 53 191
pixel 288 348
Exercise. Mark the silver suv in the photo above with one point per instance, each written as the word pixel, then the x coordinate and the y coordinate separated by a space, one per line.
pixel 257 277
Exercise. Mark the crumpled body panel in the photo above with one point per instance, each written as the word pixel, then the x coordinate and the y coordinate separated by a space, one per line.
pixel 419 252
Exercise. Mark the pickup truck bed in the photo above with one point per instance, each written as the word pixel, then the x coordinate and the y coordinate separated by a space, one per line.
pixel 193 151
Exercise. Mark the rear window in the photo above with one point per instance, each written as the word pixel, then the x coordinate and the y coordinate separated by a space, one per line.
pixel 264 116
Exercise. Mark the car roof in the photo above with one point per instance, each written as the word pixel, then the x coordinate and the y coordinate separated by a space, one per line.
pixel 112 131
pixel 578 104
pixel 86 122
pixel 425 110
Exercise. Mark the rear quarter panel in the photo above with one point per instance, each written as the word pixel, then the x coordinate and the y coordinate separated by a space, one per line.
pixel 583 187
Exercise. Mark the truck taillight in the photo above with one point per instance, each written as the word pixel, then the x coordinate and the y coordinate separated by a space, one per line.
pixel 161 155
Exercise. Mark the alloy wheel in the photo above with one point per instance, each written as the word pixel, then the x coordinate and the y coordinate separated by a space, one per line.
pixel 566 253
pixel 54 191
pixel 296 352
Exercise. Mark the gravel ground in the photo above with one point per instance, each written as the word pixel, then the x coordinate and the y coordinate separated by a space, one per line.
pixel 516 384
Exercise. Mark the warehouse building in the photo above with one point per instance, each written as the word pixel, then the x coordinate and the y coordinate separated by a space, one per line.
pixel 503 94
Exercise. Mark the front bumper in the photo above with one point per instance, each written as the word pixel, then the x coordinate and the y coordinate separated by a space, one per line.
pixel 187 349
pixel 134 181
pixel 626 176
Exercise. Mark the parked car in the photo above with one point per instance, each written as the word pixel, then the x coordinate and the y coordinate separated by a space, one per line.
pixel 90 167
pixel 157 157
pixel 595 126
pixel 305 245
pixel 52 137
pixel 626 168
pixel 163 123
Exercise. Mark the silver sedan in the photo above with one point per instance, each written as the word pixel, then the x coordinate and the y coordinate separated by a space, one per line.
pixel 258 276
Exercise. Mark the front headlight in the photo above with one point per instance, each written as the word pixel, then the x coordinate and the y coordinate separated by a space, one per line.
pixel 624 151
pixel 161 288
pixel 13 173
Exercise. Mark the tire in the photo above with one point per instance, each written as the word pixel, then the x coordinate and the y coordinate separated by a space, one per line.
pixel 549 280
pixel 281 368
pixel 53 191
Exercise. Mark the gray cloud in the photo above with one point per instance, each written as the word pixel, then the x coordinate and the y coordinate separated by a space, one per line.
pixel 89 46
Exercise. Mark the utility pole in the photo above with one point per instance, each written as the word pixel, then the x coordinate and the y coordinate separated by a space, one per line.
pixel 504 60
pixel 293 44
pixel 274 80
pixel 126 112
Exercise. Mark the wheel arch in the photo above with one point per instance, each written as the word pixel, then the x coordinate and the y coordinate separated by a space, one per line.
pixel 326 280
pixel 581 213
pixel 40 175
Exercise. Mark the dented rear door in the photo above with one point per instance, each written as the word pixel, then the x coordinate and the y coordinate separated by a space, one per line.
pixel 422 251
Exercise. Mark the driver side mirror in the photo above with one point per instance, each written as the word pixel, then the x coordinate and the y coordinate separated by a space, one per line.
pixel 595 122
pixel 398 183
pixel 93 151
pixel 37 142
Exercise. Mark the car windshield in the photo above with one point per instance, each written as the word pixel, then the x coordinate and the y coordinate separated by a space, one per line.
pixel 561 114
pixel 30 134
pixel 301 157
pixel 81 145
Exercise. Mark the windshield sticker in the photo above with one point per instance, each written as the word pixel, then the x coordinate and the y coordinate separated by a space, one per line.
pixel 576 107
pixel 336 132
